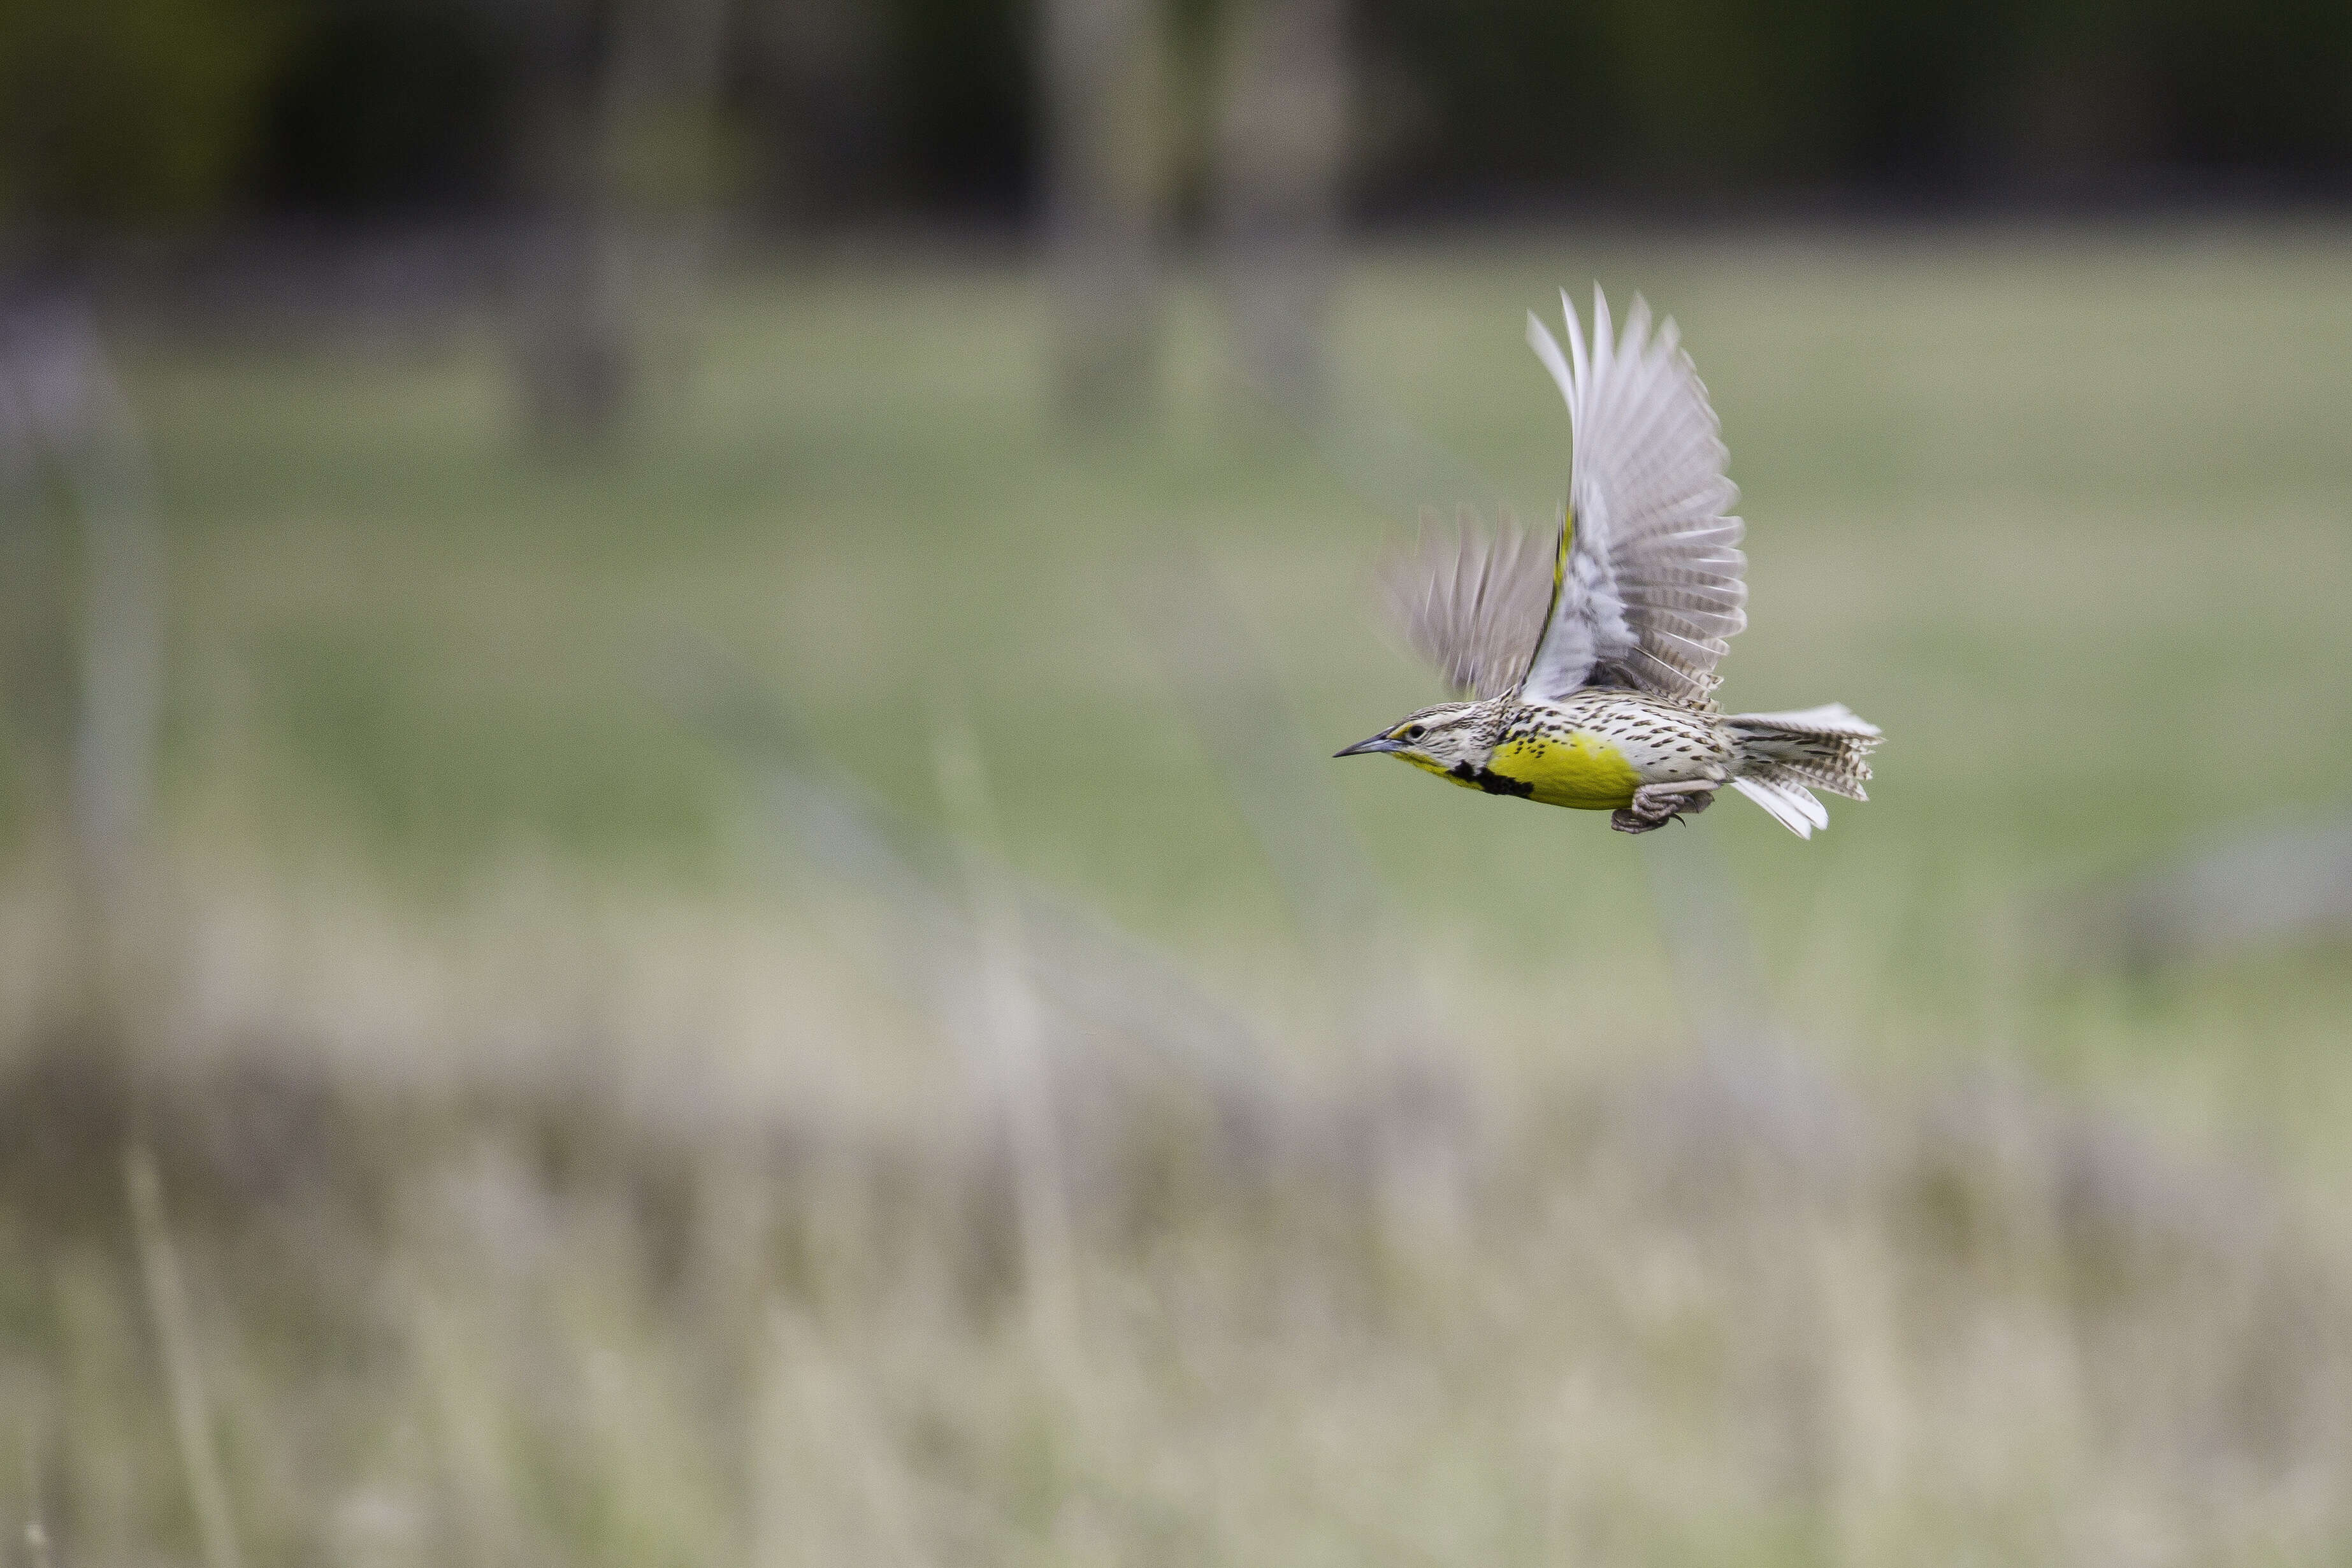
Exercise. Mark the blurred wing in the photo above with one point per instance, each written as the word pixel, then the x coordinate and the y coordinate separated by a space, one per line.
pixel 1648 571
pixel 1472 601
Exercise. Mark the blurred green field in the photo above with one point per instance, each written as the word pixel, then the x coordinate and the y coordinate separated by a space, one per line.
pixel 2065 515
pixel 568 1173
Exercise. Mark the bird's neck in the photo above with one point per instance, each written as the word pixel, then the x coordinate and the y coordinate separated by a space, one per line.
pixel 1493 717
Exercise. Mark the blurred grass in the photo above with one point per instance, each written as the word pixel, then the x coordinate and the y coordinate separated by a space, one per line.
pixel 566 1173
pixel 2065 515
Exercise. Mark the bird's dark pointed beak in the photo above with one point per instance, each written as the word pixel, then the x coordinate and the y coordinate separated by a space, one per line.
pixel 1378 743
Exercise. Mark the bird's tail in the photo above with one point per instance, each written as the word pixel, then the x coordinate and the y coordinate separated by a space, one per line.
pixel 1776 756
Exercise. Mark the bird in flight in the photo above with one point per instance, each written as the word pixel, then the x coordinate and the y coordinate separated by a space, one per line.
pixel 1586 658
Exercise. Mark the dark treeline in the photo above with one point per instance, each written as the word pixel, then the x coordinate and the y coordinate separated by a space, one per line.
pixel 143 111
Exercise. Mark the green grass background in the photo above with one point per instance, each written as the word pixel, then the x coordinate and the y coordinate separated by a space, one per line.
pixel 2066 514
pixel 562 1171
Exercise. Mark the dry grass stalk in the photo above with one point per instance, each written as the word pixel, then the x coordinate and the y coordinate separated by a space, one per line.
pixel 167 1300
pixel 1014 1075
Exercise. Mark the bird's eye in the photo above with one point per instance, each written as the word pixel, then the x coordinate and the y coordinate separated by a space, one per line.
pixel 1412 732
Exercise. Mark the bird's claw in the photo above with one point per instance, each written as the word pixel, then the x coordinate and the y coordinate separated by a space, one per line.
pixel 1655 805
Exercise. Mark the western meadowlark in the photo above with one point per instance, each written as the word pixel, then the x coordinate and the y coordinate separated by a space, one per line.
pixel 1591 684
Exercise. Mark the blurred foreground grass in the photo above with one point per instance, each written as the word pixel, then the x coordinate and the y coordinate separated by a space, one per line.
pixel 570 1159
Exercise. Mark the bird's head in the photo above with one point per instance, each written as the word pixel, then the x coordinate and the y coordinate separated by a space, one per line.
pixel 1439 738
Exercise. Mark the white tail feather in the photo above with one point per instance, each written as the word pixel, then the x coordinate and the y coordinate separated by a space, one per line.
pixel 1791 805
pixel 1830 718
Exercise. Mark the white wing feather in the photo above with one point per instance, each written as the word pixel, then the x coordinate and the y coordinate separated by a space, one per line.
pixel 1471 601
pixel 1651 588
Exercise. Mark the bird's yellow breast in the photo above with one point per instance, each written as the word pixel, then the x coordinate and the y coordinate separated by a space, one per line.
pixel 1579 769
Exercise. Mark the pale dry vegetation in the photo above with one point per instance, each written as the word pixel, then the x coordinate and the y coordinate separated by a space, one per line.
pixel 595 1120
pixel 1724 1309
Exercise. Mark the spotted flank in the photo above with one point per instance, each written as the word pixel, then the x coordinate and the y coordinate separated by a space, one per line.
pixel 1593 751
pixel 1587 657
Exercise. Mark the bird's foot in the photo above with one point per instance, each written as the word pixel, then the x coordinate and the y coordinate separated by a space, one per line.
pixel 1655 805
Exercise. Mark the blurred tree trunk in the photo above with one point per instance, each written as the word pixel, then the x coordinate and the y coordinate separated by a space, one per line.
pixel 1105 88
pixel 1281 156
pixel 61 410
pixel 619 164
pixel 820 102
pixel 661 133
pixel 574 358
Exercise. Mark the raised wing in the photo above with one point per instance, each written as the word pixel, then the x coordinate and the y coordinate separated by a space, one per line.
pixel 1472 599
pixel 1647 584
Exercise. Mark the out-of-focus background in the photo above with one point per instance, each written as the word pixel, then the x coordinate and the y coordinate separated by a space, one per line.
pixel 669 885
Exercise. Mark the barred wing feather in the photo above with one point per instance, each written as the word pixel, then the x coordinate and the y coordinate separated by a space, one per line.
pixel 1472 599
pixel 1647 586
